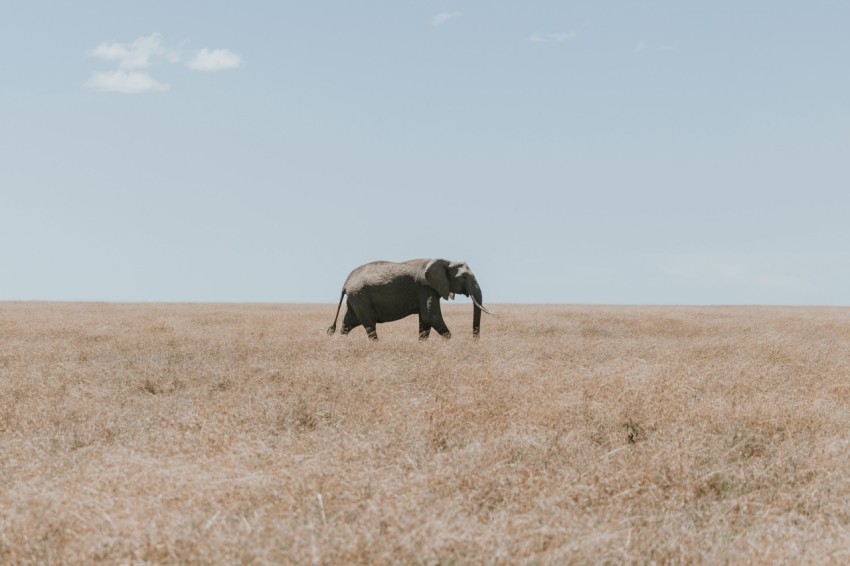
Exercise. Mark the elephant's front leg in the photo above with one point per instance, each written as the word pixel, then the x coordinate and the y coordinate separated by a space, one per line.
pixel 424 327
pixel 435 316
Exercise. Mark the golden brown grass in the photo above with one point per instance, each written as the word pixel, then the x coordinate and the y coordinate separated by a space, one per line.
pixel 234 433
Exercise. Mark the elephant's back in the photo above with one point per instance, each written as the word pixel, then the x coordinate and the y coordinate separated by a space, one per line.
pixel 377 274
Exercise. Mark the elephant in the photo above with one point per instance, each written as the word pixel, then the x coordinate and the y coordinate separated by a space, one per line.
pixel 384 291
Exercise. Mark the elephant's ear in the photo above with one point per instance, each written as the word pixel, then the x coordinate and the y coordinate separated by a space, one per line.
pixel 438 277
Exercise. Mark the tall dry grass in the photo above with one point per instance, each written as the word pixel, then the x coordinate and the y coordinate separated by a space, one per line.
pixel 213 433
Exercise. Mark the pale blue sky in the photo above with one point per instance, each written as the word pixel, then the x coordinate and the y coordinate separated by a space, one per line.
pixel 570 152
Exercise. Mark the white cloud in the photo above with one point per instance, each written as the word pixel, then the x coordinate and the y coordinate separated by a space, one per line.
pixel 135 55
pixel 212 60
pixel 144 52
pixel 560 37
pixel 126 82
pixel 444 17
pixel 641 45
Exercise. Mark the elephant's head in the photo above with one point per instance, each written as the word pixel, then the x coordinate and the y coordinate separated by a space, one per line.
pixel 451 277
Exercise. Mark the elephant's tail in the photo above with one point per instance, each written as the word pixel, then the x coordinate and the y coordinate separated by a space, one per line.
pixel 332 328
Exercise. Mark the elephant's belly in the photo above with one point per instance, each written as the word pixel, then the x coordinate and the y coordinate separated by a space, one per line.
pixel 389 308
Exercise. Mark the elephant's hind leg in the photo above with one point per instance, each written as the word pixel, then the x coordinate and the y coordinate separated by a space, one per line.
pixel 363 314
pixel 369 324
pixel 350 322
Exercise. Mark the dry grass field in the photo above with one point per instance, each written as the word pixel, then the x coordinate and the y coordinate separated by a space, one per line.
pixel 566 434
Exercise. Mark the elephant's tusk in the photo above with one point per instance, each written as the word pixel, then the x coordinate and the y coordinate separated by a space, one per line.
pixel 451 296
pixel 477 304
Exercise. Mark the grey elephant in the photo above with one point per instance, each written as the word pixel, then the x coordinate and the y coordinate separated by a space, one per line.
pixel 384 291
